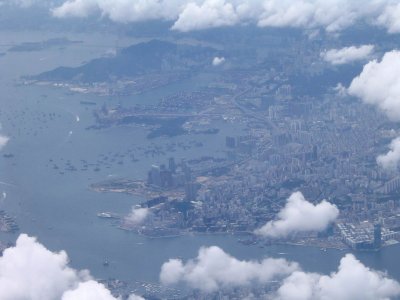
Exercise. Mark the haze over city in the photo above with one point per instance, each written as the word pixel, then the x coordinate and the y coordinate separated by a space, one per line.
pixel 199 149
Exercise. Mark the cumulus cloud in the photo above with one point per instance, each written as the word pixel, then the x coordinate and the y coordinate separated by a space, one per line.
pixel 340 90
pixel 352 281
pixel 391 159
pixel 390 18
pixel 209 14
pixel 218 61
pixel 379 84
pixel 75 8
pixel 135 297
pixel 88 290
pixel 214 269
pixel 347 54
pixel 299 215
pixel 121 10
pixel 136 216
pixel 30 271
pixel 3 141
pixel 329 15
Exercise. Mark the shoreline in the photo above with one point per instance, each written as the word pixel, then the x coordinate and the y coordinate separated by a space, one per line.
pixel 261 245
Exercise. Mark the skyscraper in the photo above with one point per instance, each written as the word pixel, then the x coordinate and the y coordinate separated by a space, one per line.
pixel 377 236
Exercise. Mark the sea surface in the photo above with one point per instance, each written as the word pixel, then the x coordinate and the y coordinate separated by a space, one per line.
pixel 47 130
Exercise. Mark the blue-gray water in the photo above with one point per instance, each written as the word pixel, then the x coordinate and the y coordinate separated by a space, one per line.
pixel 60 209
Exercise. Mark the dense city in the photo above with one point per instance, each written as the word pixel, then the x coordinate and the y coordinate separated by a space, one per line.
pixel 324 145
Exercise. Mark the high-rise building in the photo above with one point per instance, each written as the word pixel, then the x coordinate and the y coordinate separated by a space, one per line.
pixel 191 189
pixel 230 142
pixel 172 165
pixel 377 236
pixel 186 171
pixel 166 178
pixel 315 152
pixel 154 176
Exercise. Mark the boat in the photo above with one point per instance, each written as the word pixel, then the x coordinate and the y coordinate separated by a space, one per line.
pixel 107 215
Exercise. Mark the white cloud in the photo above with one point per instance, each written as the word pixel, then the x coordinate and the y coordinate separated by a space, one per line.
pixel 214 269
pixel 347 54
pixel 121 10
pixel 390 18
pixel 135 297
pixel 137 216
pixel 379 84
pixel 88 290
pixel 3 141
pixel 391 159
pixel 309 14
pixel 30 271
pixel 209 14
pixel 299 215
pixel 75 8
pixel 340 90
pixel 218 61
pixel 352 281
pixel 329 15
